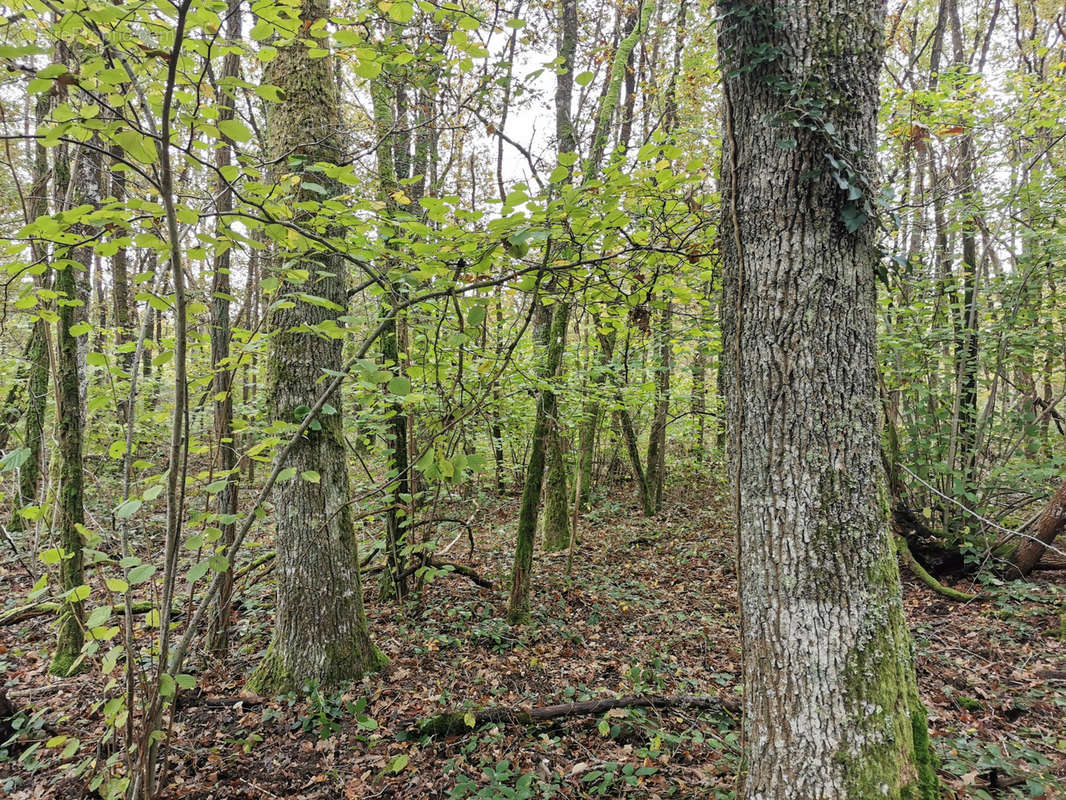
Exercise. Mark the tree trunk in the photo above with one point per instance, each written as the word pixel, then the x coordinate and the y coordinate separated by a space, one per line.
pixel 393 165
pixel 831 710
pixel 69 415
pixel 522 569
pixel 590 418
pixel 556 498
pixel 656 459
pixel 33 419
pixel 629 433
pixel 1029 552
pixel 37 349
pixel 320 629
pixel 222 370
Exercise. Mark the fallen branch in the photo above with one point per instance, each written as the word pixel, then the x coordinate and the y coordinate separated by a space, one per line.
pixel 919 572
pixel 266 558
pixel 458 722
pixel 458 569
pixel 194 698
pixel 441 520
pixel 23 613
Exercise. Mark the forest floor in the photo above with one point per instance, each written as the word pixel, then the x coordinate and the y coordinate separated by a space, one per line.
pixel 650 609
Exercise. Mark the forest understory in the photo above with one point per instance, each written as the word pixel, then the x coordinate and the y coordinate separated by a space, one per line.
pixel 650 609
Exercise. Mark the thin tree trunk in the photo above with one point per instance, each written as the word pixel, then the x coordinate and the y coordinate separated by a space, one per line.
pixel 656 459
pixel 222 370
pixel 556 498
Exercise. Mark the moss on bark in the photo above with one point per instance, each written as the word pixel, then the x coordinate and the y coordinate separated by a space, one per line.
pixel 320 633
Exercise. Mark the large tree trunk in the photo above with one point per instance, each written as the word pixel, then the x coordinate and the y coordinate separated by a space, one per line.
pixel 320 630
pixel 830 705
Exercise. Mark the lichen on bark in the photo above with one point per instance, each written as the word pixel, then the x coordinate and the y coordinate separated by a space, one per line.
pixel 830 702
pixel 320 633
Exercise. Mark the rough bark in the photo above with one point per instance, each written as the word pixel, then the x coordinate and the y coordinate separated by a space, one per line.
pixel 522 569
pixel 70 419
pixel 33 418
pixel 830 705
pixel 1030 551
pixel 320 630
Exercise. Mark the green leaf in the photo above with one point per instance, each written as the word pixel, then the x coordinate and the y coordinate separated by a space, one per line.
pixel 98 617
pixel 262 30
pixel 128 509
pixel 111 659
pixel 584 79
pixel 116 585
pixel 476 315
pixel 558 174
pixel 167 686
pixel 286 474
pixel 398 763
pixel 38 86
pixel 235 130
pixel 15 459
pixel 367 67
pixel 311 476
pixel 80 329
pixel 51 556
pixel 139 575
pixel 400 386
pixel 198 571
pixel 402 12
pixel 426 461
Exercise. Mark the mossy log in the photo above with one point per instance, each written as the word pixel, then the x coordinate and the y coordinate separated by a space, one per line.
pixel 451 723
pixel 921 573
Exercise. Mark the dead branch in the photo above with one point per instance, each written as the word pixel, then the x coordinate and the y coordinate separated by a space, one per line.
pixel 452 723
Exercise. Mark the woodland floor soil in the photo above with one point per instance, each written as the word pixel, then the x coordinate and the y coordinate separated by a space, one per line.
pixel 650 608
